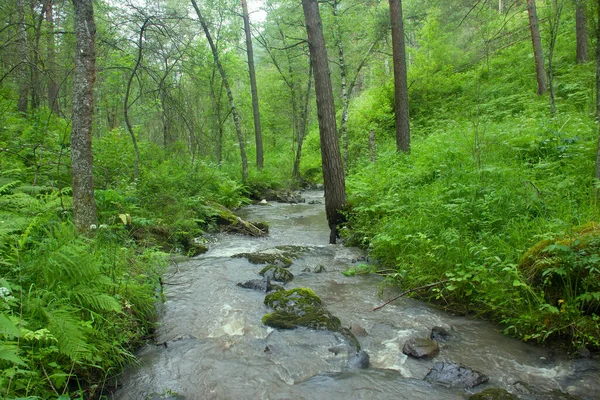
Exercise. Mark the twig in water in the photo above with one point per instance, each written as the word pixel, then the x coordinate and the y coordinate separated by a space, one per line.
pixel 410 291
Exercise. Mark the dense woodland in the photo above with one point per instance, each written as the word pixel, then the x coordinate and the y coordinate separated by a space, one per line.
pixel 456 140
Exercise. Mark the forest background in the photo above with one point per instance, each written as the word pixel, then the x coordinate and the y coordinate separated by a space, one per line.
pixel 496 200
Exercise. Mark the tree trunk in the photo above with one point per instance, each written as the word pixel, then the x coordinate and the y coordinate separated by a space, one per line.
pixel 51 62
pixel 598 94
pixel 537 47
pixel 400 80
pixel 333 171
pixel 84 206
pixel 22 48
pixel 253 88
pixel 136 163
pixel 344 84
pixel 234 112
pixel 501 6
pixel 581 31
pixel 296 177
pixel 372 145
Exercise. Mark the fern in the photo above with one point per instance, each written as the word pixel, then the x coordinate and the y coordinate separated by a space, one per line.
pixel 8 186
pixel 68 331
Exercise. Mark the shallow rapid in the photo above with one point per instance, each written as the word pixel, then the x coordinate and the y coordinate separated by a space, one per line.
pixel 214 346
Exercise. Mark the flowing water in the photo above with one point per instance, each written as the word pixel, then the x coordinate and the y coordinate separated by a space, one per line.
pixel 217 347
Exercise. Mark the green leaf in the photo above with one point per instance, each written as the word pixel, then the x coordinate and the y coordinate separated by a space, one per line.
pixel 7 327
pixel 11 355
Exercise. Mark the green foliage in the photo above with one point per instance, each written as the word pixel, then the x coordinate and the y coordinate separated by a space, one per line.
pixel 491 174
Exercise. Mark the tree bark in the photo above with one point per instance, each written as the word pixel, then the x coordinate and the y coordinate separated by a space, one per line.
pixel 22 48
pixel 333 171
pixel 234 112
pixel 136 165
pixel 598 94
pixel 296 177
pixel 581 31
pixel 253 88
pixel 400 80
pixel 537 47
pixel 50 48
pixel 343 82
pixel 84 206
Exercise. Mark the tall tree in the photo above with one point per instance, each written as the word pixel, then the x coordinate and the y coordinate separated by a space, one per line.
pixel 400 80
pixel 22 71
pixel 253 87
pixel 84 206
pixel 51 61
pixel 234 112
pixel 598 92
pixel 333 170
pixel 536 40
pixel 581 31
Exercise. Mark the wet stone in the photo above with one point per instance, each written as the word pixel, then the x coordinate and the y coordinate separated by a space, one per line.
pixel 276 259
pixel 276 273
pixel 421 348
pixel 439 334
pixel 493 394
pixel 263 285
pixel 358 330
pixel 455 375
pixel 359 360
pixel 299 307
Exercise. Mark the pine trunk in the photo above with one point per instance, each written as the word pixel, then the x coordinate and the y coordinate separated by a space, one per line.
pixel 234 112
pixel 253 88
pixel 333 171
pixel 400 79
pixel 84 206
pixel 536 41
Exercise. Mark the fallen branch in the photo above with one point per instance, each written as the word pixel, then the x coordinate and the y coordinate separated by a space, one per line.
pixel 410 291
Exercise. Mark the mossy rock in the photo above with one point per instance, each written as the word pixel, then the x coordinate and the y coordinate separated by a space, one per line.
pixel 566 267
pixel 299 307
pixel 266 258
pixel 278 274
pixel 229 222
pixel 493 394
pixel 293 252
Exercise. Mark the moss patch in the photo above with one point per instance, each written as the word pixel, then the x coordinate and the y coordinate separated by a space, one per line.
pixel 266 258
pixel 277 273
pixel 299 307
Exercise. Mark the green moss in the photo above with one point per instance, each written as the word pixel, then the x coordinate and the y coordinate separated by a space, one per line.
pixel 265 258
pixel 278 273
pixel 299 307
pixel 493 394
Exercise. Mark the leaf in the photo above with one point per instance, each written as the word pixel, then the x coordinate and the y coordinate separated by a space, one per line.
pixel 7 327
pixel 11 355
pixel 517 282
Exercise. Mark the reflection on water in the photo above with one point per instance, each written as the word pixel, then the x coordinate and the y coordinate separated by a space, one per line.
pixel 217 348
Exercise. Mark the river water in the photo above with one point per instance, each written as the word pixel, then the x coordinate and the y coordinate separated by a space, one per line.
pixel 217 347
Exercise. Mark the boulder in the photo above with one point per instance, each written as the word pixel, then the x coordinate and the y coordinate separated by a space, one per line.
pixel 493 394
pixel 272 258
pixel 439 334
pixel 276 273
pixel 263 285
pixel 455 375
pixel 421 348
pixel 229 222
pixel 299 307
pixel 359 360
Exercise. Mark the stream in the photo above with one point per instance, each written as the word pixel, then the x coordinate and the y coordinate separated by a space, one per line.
pixel 217 348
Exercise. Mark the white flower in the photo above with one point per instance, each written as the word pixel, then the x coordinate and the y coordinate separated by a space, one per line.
pixel 93 227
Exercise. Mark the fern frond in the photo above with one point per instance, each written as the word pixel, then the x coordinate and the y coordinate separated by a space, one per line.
pixel 8 186
pixel 88 298
pixel 66 328
pixel 7 327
